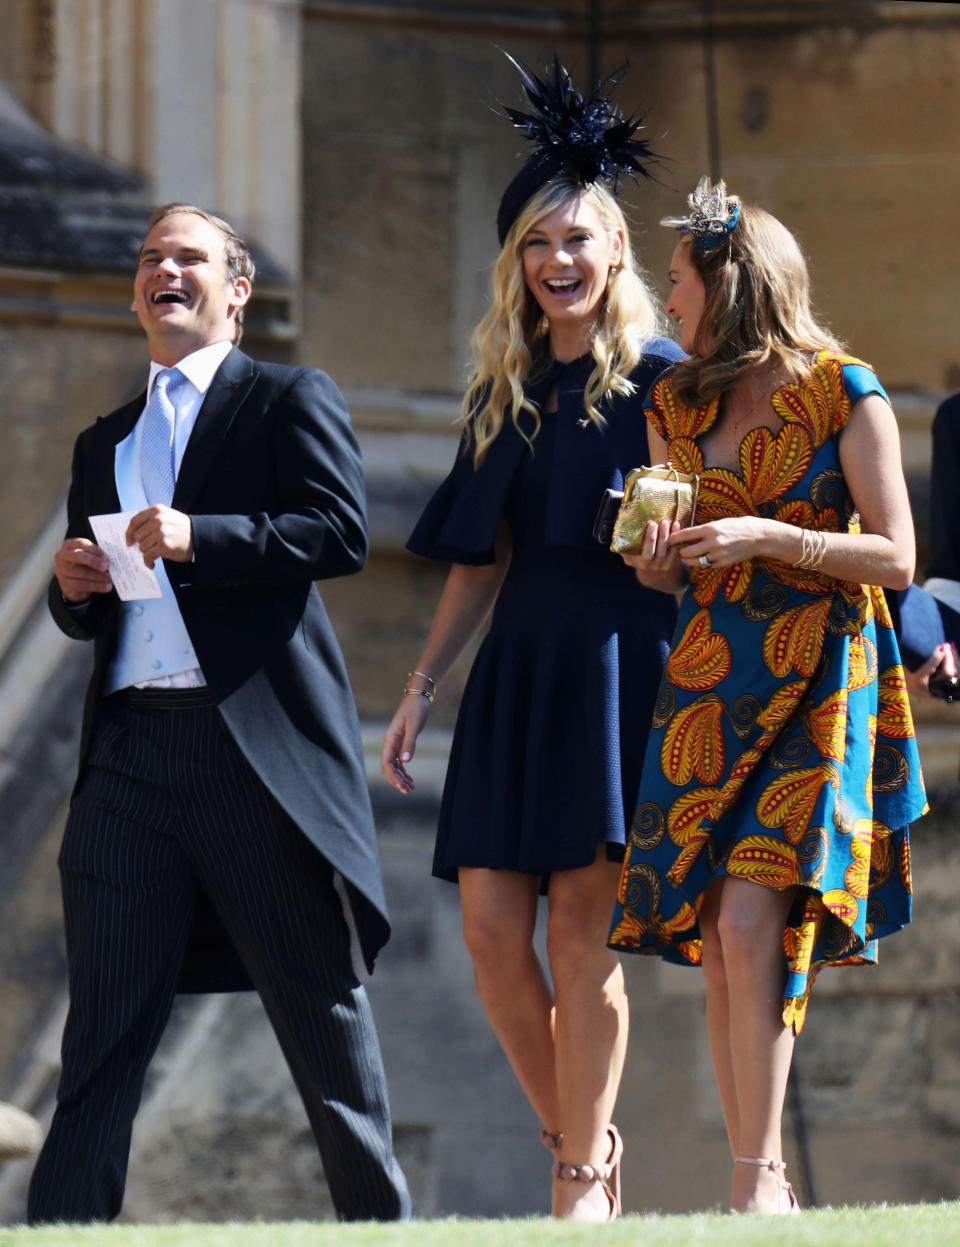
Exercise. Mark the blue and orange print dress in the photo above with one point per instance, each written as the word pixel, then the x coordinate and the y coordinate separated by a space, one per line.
pixel 782 749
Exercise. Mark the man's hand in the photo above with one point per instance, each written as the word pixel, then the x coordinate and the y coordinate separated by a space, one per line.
pixel 81 569
pixel 161 533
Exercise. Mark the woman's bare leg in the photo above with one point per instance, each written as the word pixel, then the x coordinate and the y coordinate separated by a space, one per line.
pixel 499 916
pixel 750 924
pixel 590 1025
pixel 718 1011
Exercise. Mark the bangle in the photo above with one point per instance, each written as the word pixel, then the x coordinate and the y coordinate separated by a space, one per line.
pixel 813 547
pixel 428 693
pixel 420 692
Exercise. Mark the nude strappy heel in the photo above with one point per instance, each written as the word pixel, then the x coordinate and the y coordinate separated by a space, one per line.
pixel 777 1167
pixel 607 1174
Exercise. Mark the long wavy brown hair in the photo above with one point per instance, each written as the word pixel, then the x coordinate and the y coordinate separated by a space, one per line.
pixel 757 307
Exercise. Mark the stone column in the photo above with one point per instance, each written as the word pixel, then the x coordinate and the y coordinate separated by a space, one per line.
pixel 200 96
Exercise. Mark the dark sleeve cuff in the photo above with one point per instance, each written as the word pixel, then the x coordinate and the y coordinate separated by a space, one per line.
pixel 78 610
pixel 921 624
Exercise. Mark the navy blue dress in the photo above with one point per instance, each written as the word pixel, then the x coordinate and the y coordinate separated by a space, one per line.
pixel 547 751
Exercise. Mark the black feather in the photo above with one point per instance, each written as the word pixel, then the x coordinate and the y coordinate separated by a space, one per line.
pixel 589 136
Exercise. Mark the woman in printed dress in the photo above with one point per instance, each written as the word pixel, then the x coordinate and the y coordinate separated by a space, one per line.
pixel 781 772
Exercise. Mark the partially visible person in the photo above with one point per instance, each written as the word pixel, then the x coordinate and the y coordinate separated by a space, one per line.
pixel 544 764
pixel 943 573
pixel 20 1134
pixel 928 617
pixel 781 774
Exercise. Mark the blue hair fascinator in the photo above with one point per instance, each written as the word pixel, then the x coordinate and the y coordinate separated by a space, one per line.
pixel 588 138
pixel 712 216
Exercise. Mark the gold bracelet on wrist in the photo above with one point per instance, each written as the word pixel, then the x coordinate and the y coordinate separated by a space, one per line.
pixel 813 547
pixel 429 693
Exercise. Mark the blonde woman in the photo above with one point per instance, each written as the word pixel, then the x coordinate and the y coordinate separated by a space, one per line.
pixel 771 836
pixel 543 769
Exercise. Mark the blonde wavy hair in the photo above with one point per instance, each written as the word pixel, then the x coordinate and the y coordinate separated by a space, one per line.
pixel 505 342
pixel 757 307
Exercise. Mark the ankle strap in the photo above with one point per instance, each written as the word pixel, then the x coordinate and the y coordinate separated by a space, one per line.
pixel 763 1161
pixel 581 1173
pixel 551 1139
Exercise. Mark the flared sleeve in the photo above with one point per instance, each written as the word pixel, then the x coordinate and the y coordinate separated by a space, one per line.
pixel 459 523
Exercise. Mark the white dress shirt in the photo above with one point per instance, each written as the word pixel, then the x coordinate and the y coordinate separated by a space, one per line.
pixel 199 370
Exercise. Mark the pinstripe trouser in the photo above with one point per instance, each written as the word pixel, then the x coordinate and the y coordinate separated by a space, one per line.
pixel 168 804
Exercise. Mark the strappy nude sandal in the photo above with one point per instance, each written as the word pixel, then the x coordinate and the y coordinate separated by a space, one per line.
pixel 777 1167
pixel 607 1174
pixel 551 1140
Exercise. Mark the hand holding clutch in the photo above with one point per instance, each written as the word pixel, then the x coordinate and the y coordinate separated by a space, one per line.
pixel 658 493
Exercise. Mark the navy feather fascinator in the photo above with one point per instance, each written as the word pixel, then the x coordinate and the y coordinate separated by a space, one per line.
pixel 588 138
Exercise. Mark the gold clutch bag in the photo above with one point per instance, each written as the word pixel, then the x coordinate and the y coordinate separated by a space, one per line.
pixel 657 493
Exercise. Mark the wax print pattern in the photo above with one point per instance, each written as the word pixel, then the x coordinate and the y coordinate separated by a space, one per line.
pixel 782 749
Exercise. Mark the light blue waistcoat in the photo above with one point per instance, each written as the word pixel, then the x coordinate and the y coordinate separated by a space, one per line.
pixel 152 639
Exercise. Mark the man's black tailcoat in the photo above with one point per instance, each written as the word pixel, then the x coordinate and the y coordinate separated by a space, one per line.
pixel 271 479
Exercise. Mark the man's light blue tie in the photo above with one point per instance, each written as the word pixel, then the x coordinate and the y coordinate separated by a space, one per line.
pixel 156 438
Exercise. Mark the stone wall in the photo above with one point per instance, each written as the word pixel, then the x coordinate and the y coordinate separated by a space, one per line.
pixel 841 120
pixel 52 383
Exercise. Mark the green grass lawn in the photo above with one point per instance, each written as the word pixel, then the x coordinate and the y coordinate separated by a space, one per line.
pixel 902 1225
